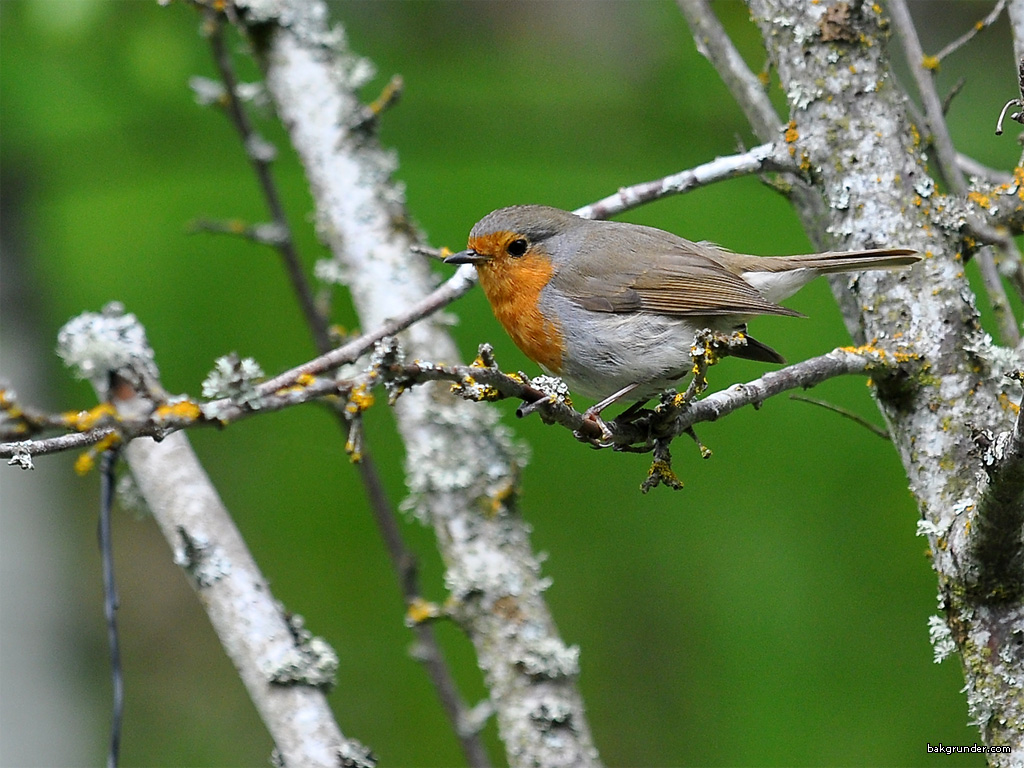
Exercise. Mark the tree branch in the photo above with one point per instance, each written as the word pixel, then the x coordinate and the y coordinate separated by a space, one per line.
pixel 347 418
pixel 996 538
pixel 760 159
pixel 260 155
pixel 940 137
pixel 714 44
pixel 969 35
pixel 283 672
pixel 930 309
pixel 947 158
pixel 456 459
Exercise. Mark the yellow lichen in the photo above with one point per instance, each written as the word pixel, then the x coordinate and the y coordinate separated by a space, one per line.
pixel 421 610
pixel 500 497
pixel 930 62
pixel 359 399
pixel 86 461
pixel 980 199
pixel 915 135
pixel 83 421
pixel 185 410
pixel 866 349
pixel 352 449
pixel 791 135
pixel 1008 404
pixel 661 471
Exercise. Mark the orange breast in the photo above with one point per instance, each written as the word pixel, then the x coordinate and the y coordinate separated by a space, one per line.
pixel 513 286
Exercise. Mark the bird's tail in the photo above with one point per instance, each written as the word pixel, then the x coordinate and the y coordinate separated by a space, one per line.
pixel 837 261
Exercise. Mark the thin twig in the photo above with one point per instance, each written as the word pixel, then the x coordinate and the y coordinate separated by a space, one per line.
pixel 751 94
pixel 715 45
pixel 947 102
pixel 972 167
pixel 845 413
pixel 943 144
pixel 264 234
pixel 260 162
pixel 997 297
pixel 978 26
pixel 1018 102
pixel 1016 116
pixel 389 96
pixel 58 444
pixel 404 563
pixel 457 285
pixel 760 159
pixel 110 603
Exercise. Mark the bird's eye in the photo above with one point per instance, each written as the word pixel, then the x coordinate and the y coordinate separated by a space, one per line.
pixel 517 247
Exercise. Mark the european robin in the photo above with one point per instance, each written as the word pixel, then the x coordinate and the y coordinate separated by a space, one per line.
pixel 612 308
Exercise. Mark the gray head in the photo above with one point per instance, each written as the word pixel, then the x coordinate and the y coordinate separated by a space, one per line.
pixel 534 222
pixel 510 232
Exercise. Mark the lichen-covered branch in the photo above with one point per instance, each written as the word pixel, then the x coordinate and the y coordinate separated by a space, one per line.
pixel 946 156
pixel 459 461
pixel 849 122
pixel 997 536
pixel 483 381
pixel 760 159
pixel 284 668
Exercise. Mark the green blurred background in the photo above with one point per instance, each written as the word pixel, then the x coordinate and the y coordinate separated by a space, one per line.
pixel 772 613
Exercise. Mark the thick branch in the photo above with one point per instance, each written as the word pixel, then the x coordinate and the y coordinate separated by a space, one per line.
pixel 868 171
pixel 256 636
pixel 996 539
pixel 947 156
pixel 457 461
pixel 283 671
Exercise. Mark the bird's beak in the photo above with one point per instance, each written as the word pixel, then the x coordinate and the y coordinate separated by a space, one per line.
pixel 467 257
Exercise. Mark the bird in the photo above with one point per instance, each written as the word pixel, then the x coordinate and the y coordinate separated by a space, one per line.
pixel 612 308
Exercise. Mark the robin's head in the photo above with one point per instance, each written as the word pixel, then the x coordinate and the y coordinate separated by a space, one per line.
pixel 511 249
pixel 514 238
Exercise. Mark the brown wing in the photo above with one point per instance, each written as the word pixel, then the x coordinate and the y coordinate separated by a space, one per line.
pixel 672 277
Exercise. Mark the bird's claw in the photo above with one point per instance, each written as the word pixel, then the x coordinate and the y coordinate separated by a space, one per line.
pixel 592 420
